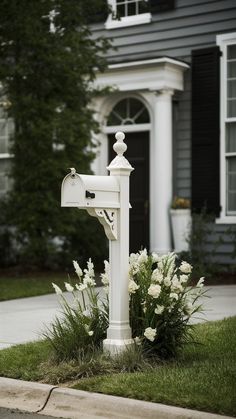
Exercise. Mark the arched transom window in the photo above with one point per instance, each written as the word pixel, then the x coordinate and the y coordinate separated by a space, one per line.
pixel 129 111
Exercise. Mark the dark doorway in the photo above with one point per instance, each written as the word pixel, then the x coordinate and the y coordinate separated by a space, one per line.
pixel 138 156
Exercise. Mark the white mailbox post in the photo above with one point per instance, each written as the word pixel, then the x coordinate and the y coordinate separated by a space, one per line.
pixel 107 198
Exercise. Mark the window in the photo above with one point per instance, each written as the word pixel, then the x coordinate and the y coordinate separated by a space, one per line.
pixel 227 45
pixel 129 111
pixel 130 7
pixel 6 129
pixel 128 13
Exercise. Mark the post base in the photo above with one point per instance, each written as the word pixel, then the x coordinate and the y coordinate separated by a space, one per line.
pixel 117 346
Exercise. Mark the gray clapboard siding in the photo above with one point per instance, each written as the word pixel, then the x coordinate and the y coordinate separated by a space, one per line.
pixel 193 24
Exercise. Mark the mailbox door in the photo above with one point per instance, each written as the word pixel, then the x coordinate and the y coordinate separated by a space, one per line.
pixel 138 156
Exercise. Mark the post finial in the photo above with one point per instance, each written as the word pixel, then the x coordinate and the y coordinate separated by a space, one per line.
pixel 120 147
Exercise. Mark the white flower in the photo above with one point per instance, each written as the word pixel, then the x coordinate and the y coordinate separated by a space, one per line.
pixel 188 307
pixel 78 270
pixel 91 332
pixel 90 270
pixel 167 281
pixel 143 257
pixel 157 276
pixel 159 309
pixel 183 278
pixel 69 287
pixel 57 289
pixel 150 333
pixel 176 284
pixel 81 287
pixel 155 257
pixel 89 281
pixel 185 267
pixel 154 290
pixel 200 282
pixel 133 264
pixel 133 287
pixel 137 340
pixel 174 296
pixel 105 277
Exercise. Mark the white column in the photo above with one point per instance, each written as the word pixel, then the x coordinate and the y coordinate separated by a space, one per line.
pixel 161 161
pixel 119 331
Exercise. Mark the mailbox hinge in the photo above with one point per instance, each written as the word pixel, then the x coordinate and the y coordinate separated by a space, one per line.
pixel 108 218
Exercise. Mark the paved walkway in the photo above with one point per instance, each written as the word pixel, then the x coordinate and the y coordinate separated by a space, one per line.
pixel 25 319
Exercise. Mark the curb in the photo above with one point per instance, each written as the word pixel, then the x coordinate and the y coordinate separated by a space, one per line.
pixel 23 395
pixel 76 404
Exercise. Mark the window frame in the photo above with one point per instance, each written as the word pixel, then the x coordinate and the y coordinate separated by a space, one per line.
pixel 223 41
pixel 124 21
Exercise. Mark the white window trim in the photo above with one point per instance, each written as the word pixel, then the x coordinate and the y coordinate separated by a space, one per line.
pixel 124 21
pixel 223 41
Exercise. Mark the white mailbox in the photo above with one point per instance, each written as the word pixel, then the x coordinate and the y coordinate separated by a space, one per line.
pixel 89 191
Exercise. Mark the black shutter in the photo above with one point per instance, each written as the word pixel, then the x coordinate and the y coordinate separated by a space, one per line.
pixel 205 130
pixel 157 6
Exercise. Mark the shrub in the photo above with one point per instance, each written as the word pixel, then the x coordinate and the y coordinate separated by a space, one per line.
pixel 161 305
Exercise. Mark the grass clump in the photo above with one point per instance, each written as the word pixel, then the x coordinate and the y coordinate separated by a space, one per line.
pixel 24 361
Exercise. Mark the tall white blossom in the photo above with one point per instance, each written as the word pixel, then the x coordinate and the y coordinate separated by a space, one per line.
pixel 105 277
pixel 143 257
pixel 90 269
pixel 69 287
pixel 57 289
pixel 78 270
pixel 81 287
pixel 200 282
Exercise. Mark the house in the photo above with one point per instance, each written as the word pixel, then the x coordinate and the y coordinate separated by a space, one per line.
pixel 174 74
pixel 174 78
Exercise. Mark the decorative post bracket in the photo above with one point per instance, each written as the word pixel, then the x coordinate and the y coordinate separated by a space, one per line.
pixel 108 218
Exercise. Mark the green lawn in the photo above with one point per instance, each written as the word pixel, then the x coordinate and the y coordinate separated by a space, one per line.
pixel 12 286
pixel 203 378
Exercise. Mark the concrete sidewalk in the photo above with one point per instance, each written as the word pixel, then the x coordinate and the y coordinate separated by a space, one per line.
pixel 25 319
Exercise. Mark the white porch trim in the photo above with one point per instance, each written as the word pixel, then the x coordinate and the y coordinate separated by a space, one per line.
pixel 153 82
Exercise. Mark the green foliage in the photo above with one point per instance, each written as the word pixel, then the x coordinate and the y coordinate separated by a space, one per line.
pixel 47 66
